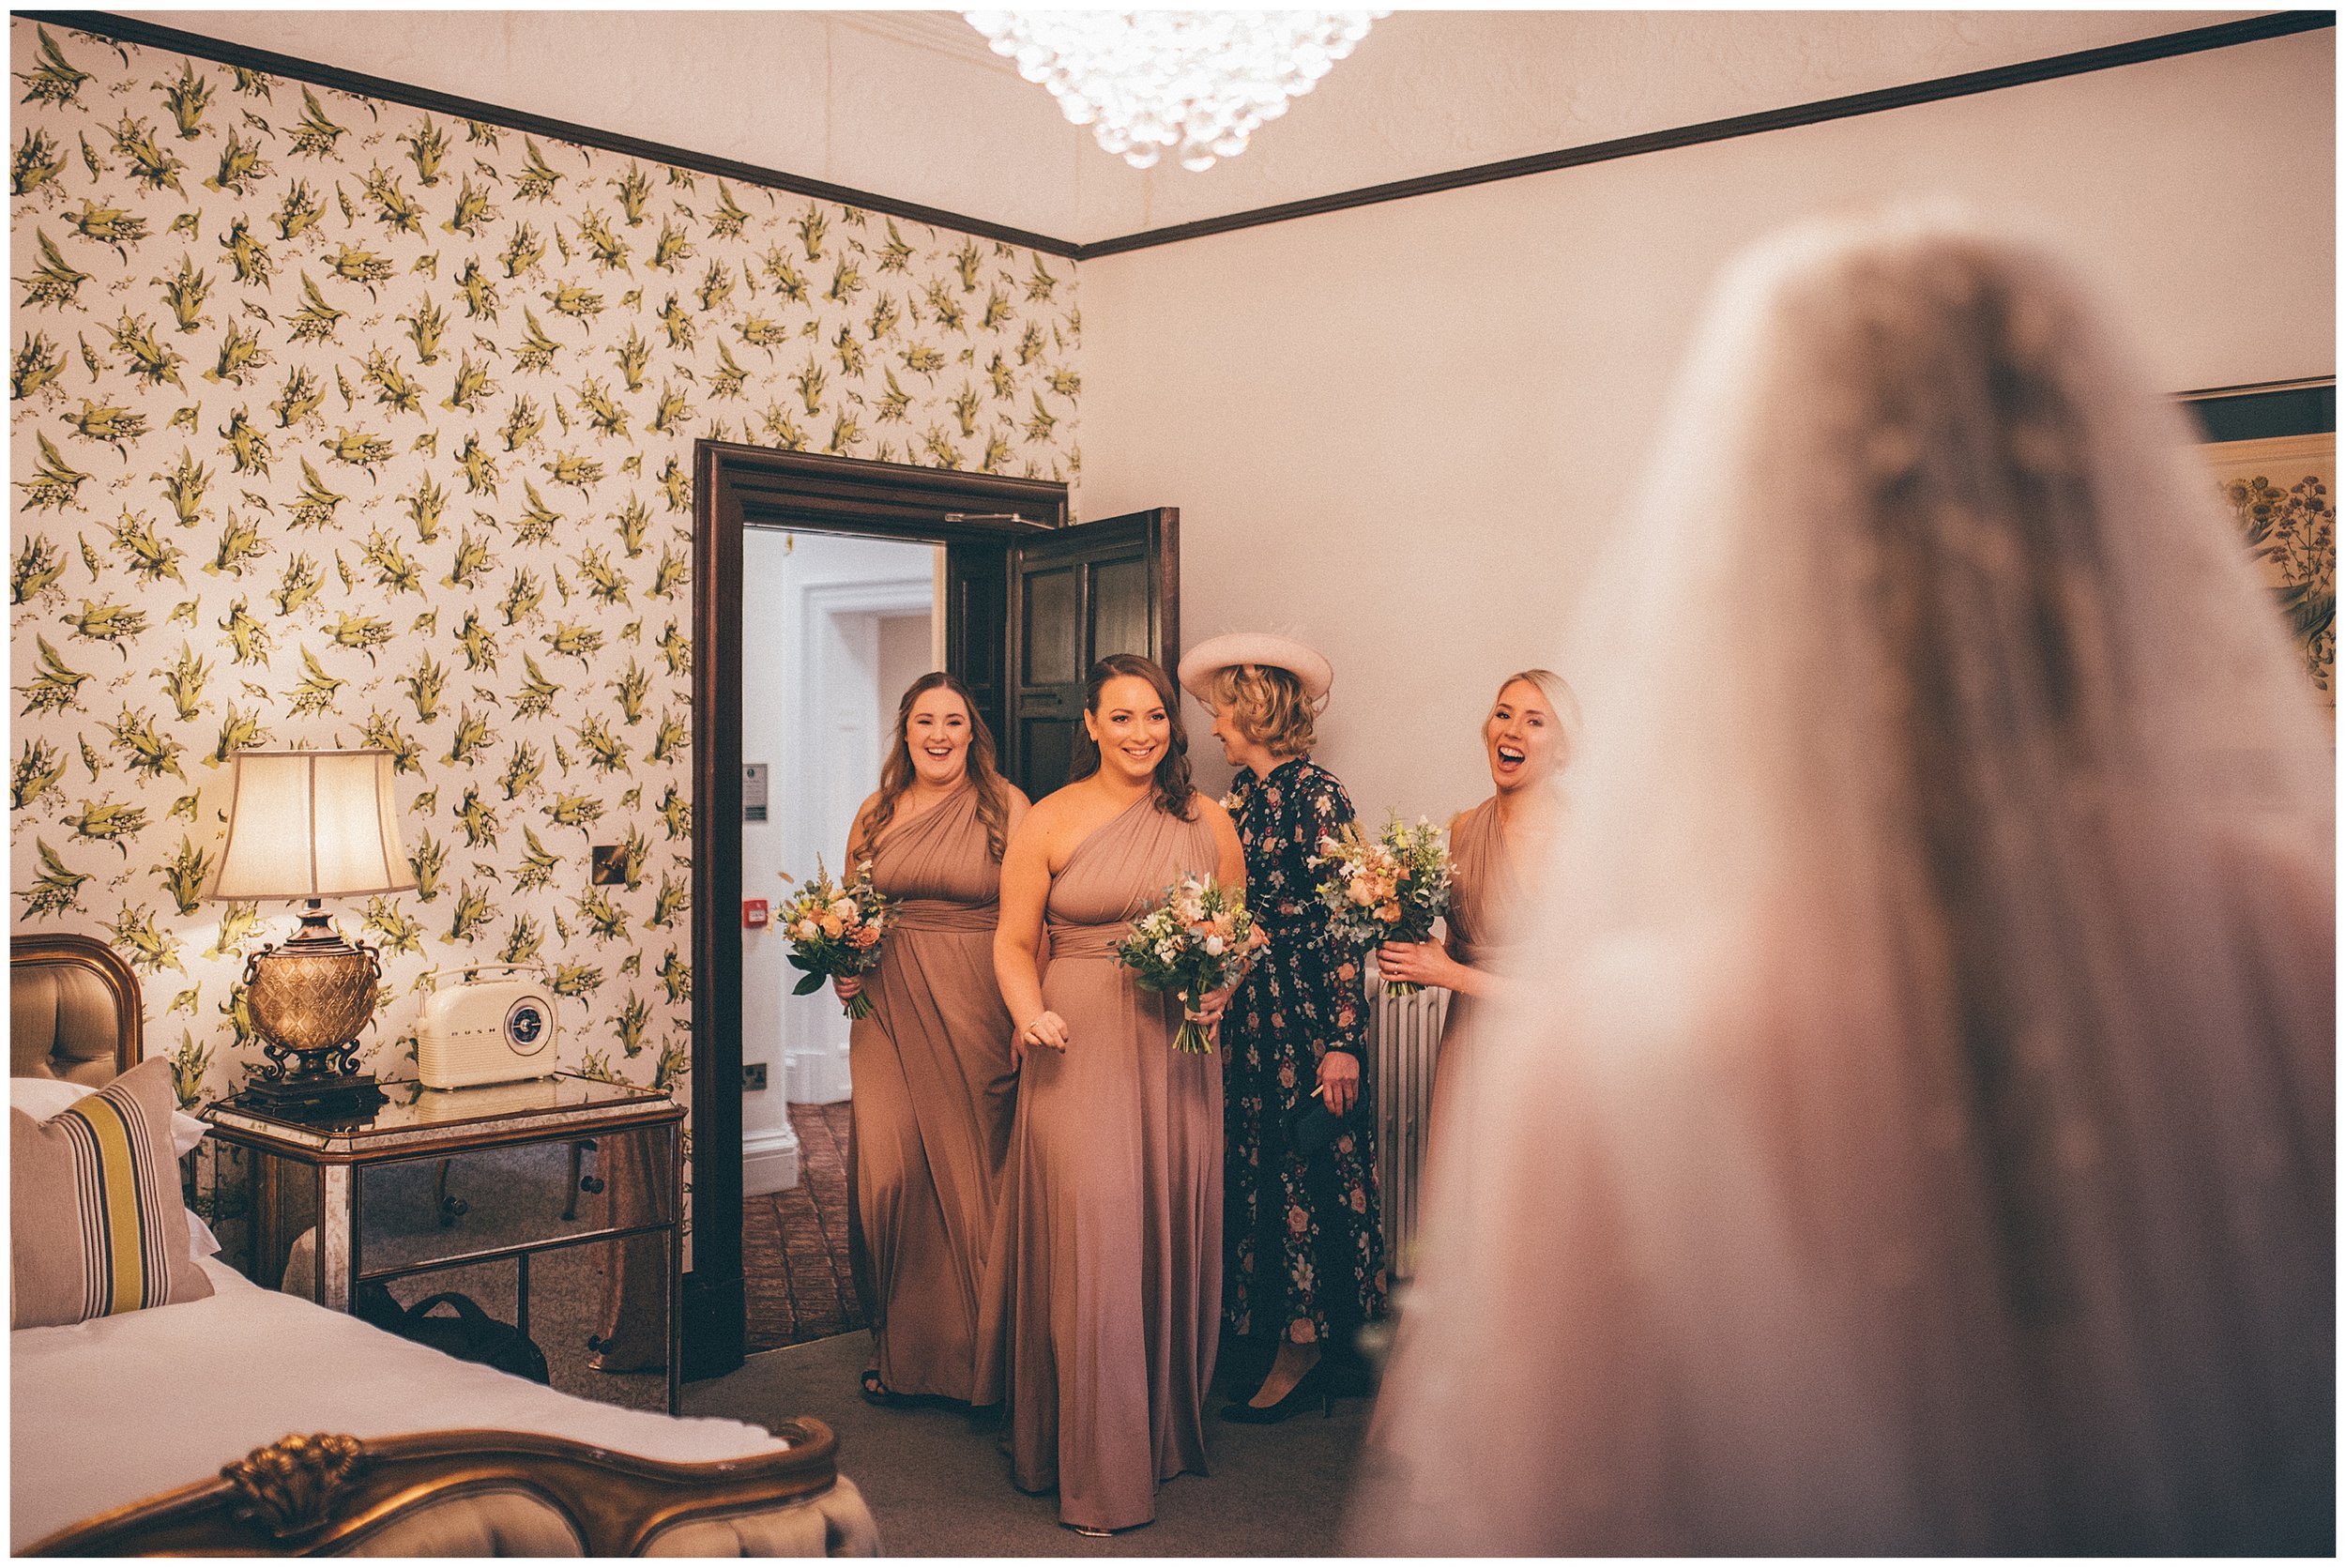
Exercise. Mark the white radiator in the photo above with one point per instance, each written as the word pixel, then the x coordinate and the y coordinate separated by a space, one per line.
pixel 1402 1033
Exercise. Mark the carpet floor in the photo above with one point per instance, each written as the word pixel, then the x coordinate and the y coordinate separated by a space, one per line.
pixel 796 1278
pixel 938 1482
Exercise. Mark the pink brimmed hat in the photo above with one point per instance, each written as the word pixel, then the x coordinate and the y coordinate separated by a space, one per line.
pixel 1253 647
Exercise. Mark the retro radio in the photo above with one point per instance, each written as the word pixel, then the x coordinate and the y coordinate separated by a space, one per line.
pixel 487 1032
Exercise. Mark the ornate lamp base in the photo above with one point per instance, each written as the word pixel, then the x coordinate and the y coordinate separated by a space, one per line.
pixel 312 1096
pixel 310 998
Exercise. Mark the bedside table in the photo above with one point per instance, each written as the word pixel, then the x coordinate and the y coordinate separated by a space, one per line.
pixel 581 1175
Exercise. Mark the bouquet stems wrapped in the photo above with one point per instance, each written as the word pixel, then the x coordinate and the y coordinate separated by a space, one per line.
pixel 1388 888
pixel 836 930
pixel 1195 942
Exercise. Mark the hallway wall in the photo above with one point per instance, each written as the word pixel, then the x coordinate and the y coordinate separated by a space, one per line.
pixel 822 749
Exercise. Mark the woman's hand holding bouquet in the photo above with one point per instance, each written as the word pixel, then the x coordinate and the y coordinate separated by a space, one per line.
pixel 1389 889
pixel 835 932
pixel 1199 941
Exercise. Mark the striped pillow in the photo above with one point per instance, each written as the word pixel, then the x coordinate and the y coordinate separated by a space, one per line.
pixel 96 1223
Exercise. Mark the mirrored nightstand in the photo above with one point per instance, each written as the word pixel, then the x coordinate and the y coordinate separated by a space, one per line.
pixel 553 1203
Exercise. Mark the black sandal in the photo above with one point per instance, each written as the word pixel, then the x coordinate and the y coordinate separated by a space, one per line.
pixel 878 1392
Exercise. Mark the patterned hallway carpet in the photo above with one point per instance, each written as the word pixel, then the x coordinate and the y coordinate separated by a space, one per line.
pixel 794 1243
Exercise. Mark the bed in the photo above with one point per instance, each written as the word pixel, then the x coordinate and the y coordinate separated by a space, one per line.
pixel 256 1423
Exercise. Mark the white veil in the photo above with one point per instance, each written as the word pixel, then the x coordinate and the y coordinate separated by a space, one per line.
pixel 1924 1140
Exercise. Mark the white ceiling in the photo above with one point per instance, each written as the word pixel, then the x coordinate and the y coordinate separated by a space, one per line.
pixel 912 104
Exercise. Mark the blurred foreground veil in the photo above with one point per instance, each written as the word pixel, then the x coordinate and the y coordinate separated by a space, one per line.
pixel 1923 1137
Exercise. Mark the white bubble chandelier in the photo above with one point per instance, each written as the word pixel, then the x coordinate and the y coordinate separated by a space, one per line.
pixel 1196 82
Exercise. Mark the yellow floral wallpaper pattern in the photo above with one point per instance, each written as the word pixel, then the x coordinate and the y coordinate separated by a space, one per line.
pixel 336 423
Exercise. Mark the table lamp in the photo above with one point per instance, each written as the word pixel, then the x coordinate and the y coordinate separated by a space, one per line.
pixel 311 825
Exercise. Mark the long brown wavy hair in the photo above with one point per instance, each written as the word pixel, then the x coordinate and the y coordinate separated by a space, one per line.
pixel 1174 792
pixel 896 773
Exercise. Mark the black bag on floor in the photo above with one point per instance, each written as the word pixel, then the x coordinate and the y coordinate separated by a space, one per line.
pixel 471 1335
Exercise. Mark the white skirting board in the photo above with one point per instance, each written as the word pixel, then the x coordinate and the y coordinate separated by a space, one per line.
pixel 817 1075
pixel 769 1161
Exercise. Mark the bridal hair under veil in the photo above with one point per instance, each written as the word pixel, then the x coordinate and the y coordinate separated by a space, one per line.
pixel 1924 1140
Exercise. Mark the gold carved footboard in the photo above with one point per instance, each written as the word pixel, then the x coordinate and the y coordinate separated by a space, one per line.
pixel 306 1496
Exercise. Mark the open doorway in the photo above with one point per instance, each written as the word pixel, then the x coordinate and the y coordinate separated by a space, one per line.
pixel 1018 603
pixel 834 628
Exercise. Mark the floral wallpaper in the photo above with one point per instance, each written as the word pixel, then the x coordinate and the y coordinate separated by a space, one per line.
pixel 334 422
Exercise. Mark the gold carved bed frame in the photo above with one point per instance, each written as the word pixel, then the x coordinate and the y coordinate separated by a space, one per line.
pixel 325 1494
pixel 75 1011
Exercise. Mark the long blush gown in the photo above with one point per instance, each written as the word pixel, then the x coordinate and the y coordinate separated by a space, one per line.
pixel 1487 892
pixel 1105 1289
pixel 934 1088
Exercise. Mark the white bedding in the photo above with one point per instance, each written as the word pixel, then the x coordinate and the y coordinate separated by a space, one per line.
pixel 109 1411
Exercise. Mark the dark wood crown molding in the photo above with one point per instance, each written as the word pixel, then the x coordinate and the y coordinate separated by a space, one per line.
pixel 2165 46
pixel 126 29
pixel 2081 62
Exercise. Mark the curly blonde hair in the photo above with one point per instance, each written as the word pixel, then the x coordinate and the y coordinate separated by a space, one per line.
pixel 1269 706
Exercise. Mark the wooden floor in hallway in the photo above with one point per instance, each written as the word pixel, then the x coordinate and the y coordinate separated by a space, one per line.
pixel 800 1283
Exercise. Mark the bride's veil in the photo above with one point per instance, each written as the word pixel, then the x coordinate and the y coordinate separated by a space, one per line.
pixel 1923 1137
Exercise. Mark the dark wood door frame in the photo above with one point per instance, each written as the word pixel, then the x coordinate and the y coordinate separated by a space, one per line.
pixel 736 488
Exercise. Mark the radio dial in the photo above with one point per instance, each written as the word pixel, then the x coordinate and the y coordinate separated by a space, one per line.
pixel 525 1028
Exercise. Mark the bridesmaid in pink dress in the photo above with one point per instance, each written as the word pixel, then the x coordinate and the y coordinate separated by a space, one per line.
pixel 1104 1293
pixel 1494 850
pixel 934 1079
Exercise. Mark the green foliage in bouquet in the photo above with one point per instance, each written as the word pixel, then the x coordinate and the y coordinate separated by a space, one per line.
pixel 1389 889
pixel 1195 941
pixel 835 931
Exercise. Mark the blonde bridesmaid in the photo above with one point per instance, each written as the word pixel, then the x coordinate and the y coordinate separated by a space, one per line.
pixel 1495 848
pixel 934 1078
pixel 1104 1288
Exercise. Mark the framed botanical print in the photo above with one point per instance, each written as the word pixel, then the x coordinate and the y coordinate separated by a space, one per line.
pixel 2274 451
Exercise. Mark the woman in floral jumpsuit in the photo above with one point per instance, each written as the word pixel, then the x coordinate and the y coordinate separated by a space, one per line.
pixel 1304 1260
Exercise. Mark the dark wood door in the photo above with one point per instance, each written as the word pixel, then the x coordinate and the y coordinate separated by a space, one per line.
pixel 1076 595
pixel 976 629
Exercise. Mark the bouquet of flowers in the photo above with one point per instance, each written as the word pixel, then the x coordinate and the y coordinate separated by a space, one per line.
pixel 1389 889
pixel 836 930
pixel 1193 942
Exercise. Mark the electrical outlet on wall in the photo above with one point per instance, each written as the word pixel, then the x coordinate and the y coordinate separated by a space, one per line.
pixel 753 1076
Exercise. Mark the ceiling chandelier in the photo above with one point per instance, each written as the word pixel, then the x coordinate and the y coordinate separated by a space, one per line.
pixel 1196 82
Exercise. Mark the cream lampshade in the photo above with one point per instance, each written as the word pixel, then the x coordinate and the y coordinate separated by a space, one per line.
pixel 313 826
